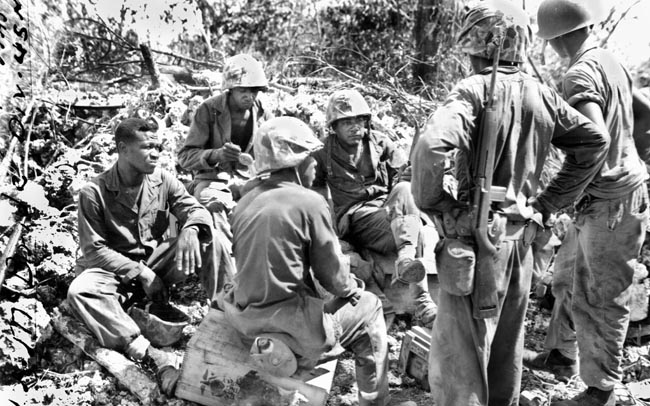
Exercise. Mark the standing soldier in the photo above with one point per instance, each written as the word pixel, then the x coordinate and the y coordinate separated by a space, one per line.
pixel 611 213
pixel 284 242
pixel 373 208
pixel 475 358
pixel 221 132
pixel 562 348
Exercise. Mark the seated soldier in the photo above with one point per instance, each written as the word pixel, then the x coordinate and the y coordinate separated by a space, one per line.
pixel 123 214
pixel 284 242
pixel 372 207
pixel 220 134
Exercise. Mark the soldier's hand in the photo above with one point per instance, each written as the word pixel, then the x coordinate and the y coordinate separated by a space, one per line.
pixel 546 215
pixel 405 173
pixel 152 285
pixel 376 191
pixel 188 251
pixel 228 153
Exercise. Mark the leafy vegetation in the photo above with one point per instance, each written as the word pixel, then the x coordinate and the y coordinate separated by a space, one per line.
pixel 87 73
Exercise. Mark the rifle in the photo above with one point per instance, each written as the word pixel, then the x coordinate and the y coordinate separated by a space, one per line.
pixel 485 299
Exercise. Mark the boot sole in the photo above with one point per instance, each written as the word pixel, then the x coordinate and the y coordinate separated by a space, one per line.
pixel 414 272
pixel 561 373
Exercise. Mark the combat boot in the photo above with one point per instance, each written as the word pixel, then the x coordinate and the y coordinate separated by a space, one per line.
pixel 552 361
pixel 425 308
pixel 406 230
pixel 409 269
pixel 590 397
pixel 164 364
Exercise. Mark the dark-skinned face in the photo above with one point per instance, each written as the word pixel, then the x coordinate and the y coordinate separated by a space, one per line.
pixel 142 152
pixel 243 98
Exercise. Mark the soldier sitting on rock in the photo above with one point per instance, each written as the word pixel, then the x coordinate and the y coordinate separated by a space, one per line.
pixel 219 145
pixel 373 207
pixel 284 243
pixel 123 215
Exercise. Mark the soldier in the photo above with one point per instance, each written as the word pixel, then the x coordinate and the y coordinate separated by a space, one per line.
pixel 477 360
pixel 562 348
pixel 612 212
pixel 221 133
pixel 373 207
pixel 123 214
pixel 284 242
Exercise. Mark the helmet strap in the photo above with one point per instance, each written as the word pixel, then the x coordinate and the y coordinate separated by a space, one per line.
pixel 295 170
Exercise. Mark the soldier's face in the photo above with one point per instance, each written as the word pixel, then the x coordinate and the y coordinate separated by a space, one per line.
pixel 243 98
pixel 142 152
pixel 351 130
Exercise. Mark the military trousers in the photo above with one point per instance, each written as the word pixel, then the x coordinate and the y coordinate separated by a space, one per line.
pixel 479 361
pixel 561 333
pixel 97 295
pixel 363 332
pixel 370 224
pixel 610 234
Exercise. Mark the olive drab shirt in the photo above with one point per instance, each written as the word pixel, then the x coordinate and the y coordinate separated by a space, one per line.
pixel 210 130
pixel 351 184
pixel 115 235
pixel 283 237
pixel 532 117
pixel 596 76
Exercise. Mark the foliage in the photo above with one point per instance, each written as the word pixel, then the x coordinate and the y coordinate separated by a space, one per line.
pixel 365 44
pixel 368 37
pixel 438 63
pixel 271 28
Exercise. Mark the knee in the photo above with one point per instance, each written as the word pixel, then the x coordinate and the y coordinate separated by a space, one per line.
pixel 402 188
pixel 216 197
pixel 403 199
pixel 86 285
pixel 77 289
pixel 370 305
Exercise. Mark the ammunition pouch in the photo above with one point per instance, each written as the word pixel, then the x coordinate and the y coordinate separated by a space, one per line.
pixel 457 252
pixel 456 260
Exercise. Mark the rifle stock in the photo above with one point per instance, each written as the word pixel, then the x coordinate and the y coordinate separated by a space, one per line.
pixel 485 298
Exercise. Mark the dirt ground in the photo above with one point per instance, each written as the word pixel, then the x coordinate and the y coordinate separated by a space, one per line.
pixel 60 374
pixel 39 367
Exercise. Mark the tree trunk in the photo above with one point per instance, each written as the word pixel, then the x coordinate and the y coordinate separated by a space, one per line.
pixel 150 66
pixel 434 35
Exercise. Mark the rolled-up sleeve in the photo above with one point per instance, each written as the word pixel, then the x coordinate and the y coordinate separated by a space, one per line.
pixel 586 149
pixel 93 237
pixel 194 155
pixel 580 86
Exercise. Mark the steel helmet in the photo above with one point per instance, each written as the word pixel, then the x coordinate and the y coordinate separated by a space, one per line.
pixel 344 104
pixel 160 323
pixel 559 17
pixel 494 23
pixel 283 142
pixel 243 71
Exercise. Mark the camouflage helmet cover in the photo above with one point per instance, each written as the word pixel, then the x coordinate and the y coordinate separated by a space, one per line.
pixel 492 23
pixel 344 104
pixel 243 70
pixel 283 142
